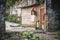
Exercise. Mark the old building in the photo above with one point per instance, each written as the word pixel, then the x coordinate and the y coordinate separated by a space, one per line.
pixel 33 12
pixel 15 9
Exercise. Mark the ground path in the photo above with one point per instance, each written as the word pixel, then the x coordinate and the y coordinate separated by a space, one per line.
pixel 48 35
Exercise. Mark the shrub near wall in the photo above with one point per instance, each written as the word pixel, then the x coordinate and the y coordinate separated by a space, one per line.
pixel 30 36
pixel 13 18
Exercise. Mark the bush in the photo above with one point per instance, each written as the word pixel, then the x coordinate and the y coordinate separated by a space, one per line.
pixel 58 34
pixel 13 18
pixel 8 34
pixel 30 36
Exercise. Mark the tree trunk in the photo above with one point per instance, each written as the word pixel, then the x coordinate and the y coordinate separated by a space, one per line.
pixel 53 12
pixel 2 17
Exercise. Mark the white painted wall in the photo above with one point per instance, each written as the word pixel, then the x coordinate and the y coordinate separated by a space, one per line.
pixel 27 18
pixel 19 12
pixel 15 10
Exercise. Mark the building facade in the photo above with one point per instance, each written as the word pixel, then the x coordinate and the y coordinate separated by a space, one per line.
pixel 33 12
pixel 15 9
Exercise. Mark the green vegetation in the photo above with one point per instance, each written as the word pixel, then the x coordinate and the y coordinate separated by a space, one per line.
pixel 10 3
pixel 58 35
pixel 25 35
pixel 13 18
pixel 30 36
pixel 8 34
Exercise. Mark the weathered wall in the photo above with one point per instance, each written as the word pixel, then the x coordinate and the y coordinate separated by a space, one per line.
pixel 28 11
pixel 15 10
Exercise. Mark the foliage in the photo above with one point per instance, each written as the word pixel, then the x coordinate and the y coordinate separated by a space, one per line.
pixel 30 36
pixel 10 3
pixel 58 34
pixel 13 18
pixel 16 38
pixel 46 39
pixel 8 34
